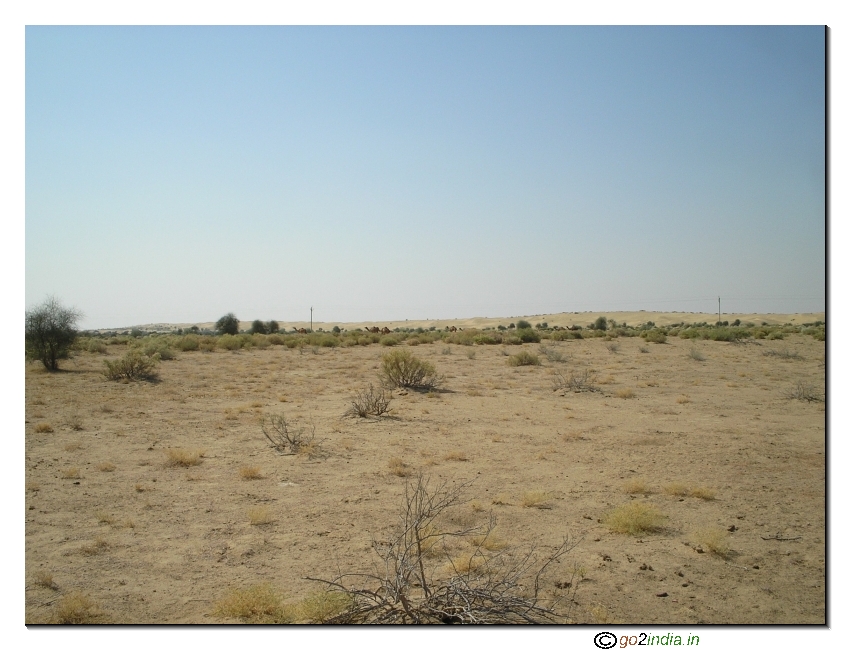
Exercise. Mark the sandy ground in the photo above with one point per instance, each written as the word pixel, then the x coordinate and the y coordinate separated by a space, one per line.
pixel 152 543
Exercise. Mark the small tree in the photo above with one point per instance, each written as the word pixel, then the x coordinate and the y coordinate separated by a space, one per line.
pixel 272 326
pixel 523 324
pixel 227 324
pixel 50 332
pixel 601 323
pixel 259 327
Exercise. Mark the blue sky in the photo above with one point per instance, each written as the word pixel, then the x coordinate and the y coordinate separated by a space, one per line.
pixel 174 174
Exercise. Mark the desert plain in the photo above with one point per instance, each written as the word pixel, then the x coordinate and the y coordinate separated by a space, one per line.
pixel 705 432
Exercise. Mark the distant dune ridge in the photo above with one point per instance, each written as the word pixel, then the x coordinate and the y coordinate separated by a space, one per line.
pixel 567 319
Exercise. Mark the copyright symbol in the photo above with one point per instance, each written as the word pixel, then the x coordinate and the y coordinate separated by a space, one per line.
pixel 605 640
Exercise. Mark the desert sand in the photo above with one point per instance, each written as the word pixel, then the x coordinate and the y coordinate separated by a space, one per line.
pixel 716 445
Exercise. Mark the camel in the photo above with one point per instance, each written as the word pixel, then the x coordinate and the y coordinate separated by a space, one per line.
pixel 302 331
pixel 385 331
pixel 373 330
pixel 452 329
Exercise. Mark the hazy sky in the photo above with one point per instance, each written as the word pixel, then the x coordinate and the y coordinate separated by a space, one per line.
pixel 174 174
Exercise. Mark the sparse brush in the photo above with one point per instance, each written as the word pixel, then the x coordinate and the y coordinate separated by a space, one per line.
pixel 785 354
pixel 250 473
pixel 43 427
pixel 536 499
pixel 470 354
pixel 626 393
pixel 259 604
pixel 370 402
pixel 614 348
pixel 133 365
pixel 286 439
pixel 552 354
pixel 643 350
pixel 695 354
pixel 95 547
pixel 260 516
pixel 322 605
pixel 655 336
pixel 77 608
pixel 74 421
pixel 401 369
pixel 183 457
pixel 523 358
pixel 490 542
pixel 636 486
pixel 804 392
pixel 398 468
pixel 634 518
pixel 106 519
pixel 713 539
pixel 577 381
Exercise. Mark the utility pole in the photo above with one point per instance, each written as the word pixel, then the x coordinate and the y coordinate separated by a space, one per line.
pixel 311 318
pixel 718 308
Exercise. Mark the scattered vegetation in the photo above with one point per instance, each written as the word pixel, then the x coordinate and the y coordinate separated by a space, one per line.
pixel 636 486
pixel 713 539
pixel 77 608
pixel 634 518
pixel 250 473
pixel 323 605
pixel 785 354
pixel 183 457
pixel 258 604
pixel 537 500
pixel 398 467
pixel 260 516
pixel 227 324
pixel 43 427
pixel 44 579
pixel 285 439
pixel 803 391
pixel 577 381
pixel 626 393
pixel 695 354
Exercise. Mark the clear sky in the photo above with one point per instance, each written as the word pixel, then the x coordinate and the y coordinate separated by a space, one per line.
pixel 174 174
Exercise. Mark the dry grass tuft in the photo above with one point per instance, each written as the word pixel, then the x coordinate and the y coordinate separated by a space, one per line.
pixel 33 486
pixel 77 608
pixel 44 579
pixel 536 499
pixel 183 457
pixel 106 467
pixel 683 399
pixel 634 518
pixel 259 604
pixel 681 489
pixel 637 486
pixel 467 563
pixel 260 516
pixel 456 456
pixel 523 358
pixel 713 539
pixel 398 468
pixel 106 519
pixel 703 492
pixel 250 473
pixel 73 446
pixel 490 542
pixel 43 427
pixel 322 605
pixel 95 547
pixel 71 474
pixel 677 489
pixel 626 393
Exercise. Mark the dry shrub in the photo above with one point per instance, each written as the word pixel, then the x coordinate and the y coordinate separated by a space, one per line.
pixel 132 366
pixel 95 547
pixel 73 446
pixel 523 358
pixel 74 421
pixel 258 604
pixel 106 519
pixel 536 499
pixel 401 369
pixel 713 539
pixel 683 399
pixel 636 486
pixel 183 457
pixel 406 586
pixel 634 518
pixel 626 393
pixel 106 467
pixel 804 392
pixel 370 402
pixel 288 440
pixel 322 605
pixel 43 427
pixel 260 516
pixel 44 579
pixel 577 381
pixel 490 542
pixel 250 473
pixel 703 492
pixel 695 354
pixel 77 608
pixel 677 489
pixel 397 467
pixel 456 456
pixel 71 474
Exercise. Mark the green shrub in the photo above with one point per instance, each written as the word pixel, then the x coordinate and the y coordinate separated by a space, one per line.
pixel 654 336
pixel 188 343
pixel 400 368
pixel 276 339
pixel 487 339
pixel 229 341
pixel 523 358
pixel 227 324
pixel 523 324
pixel 272 327
pixel 528 335
pixel 158 348
pixel 133 365
pixel 389 341
pixel 95 346
pixel 259 327
pixel 601 323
